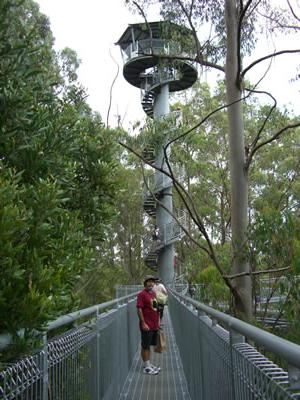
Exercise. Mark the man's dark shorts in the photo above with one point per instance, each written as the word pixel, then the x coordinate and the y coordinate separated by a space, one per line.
pixel 149 338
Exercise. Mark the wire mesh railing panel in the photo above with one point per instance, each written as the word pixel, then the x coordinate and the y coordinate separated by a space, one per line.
pixel 70 363
pixel 257 377
pixel 205 356
pixel 23 380
pixel 181 287
pixel 108 333
pixel 217 356
pixel 219 364
pixel 189 345
pixel 119 338
pixel 133 331
pixel 89 362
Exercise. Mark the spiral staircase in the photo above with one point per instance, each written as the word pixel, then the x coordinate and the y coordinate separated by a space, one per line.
pixel 169 233
pixel 153 59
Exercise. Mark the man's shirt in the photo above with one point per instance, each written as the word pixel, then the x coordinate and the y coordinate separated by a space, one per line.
pixel 147 302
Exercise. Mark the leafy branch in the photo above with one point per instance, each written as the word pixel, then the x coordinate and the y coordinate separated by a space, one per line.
pixel 270 140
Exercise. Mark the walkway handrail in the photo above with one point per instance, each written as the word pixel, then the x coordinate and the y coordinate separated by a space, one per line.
pixel 283 348
pixel 80 362
pixel 68 318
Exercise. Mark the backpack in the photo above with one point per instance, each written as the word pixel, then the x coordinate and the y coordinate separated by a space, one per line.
pixel 161 298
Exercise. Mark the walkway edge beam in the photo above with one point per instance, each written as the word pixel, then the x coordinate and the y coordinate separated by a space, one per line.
pixel 287 350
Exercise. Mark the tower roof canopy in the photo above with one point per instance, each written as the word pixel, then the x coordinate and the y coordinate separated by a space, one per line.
pixel 159 30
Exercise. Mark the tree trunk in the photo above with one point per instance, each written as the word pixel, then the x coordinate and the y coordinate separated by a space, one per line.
pixel 238 174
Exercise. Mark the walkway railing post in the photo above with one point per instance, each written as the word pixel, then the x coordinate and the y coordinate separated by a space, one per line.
pixel 202 316
pixel 201 313
pixel 235 338
pixel 294 377
pixel 45 368
pixel 97 366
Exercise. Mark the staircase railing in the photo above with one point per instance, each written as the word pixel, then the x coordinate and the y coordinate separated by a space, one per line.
pixel 168 234
pixel 157 182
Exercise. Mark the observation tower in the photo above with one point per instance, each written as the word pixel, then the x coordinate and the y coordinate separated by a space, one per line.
pixel 155 61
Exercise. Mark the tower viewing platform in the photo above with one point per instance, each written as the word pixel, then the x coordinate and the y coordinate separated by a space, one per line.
pixel 152 57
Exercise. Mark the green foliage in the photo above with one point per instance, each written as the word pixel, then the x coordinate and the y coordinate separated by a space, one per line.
pixel 203 154
pixel 101 283
pixel 274 240
pixel 274 189
pixel 42 252
pixel 291 309
pixel 156 133
pixel 295 261
pixel 275 244
pixel 58 177
pixel 214 292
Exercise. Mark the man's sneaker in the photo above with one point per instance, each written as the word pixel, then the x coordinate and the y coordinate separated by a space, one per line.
pixel 150 371
pixel 156 367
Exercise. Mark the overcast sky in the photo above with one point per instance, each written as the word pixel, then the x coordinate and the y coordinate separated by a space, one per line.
pixel 91 27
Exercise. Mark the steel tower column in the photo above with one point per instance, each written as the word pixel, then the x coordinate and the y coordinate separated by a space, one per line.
pixel 163 217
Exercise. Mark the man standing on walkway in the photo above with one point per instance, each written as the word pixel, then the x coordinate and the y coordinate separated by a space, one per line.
pixel 147 309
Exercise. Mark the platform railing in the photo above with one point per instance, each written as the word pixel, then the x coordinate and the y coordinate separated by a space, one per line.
pixel 156 77
pixel 149 47
pixel 223 357
pixel 89 361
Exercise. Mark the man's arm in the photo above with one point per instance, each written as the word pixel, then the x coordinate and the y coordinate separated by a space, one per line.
pixel 144 326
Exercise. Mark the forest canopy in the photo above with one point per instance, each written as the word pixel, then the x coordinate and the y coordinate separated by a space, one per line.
pixel 59 178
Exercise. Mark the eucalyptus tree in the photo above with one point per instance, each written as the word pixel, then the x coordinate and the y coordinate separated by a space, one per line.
pixel 233 28
pixel 273 188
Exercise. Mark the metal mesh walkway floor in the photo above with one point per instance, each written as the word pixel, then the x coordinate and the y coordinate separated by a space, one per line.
pixel 169 384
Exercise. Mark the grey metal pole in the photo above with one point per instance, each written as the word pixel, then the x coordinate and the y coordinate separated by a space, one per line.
pixel 97 370
pixel 45 368
pixel 163 217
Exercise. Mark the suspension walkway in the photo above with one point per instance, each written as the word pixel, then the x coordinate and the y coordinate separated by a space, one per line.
pixel 210 356
pixel 169 384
